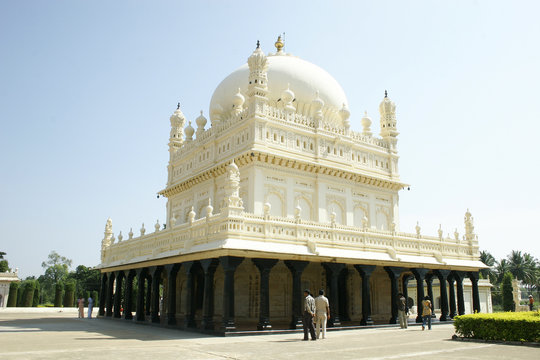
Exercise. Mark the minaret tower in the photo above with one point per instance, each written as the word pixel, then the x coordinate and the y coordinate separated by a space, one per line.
pixel 176 138
pixel 258 79
pixel 387 109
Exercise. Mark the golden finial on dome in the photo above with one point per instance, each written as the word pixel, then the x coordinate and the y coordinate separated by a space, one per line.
pixel 279 44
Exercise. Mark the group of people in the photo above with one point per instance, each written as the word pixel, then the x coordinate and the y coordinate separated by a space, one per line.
pixel 403 312
pixel 80 304
pixel 316 310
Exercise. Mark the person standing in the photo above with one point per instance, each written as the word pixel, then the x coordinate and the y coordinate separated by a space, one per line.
pixel 402 311
pixel 531 302
pixel 90 306
pixel 322 313
pixel 309 314
pixel 81 308
pixel 426 313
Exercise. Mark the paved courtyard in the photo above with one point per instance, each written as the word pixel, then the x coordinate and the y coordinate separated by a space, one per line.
pixel 60 335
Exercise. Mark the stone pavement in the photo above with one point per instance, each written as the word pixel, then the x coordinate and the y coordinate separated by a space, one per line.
pixel 50 334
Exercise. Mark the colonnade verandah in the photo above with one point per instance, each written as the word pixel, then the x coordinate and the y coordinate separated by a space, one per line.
pixel 156 296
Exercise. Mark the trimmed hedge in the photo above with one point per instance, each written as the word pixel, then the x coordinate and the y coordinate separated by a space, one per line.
pixel 508 326
pixel 69 294
pixel 12 299
pixel 58 294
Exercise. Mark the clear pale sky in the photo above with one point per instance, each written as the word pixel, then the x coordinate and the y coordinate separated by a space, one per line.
pixel 87 88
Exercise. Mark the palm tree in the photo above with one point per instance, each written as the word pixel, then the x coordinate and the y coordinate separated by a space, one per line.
pixel 521 266
pixel 2 255
pixel 501 268
pixel 488 260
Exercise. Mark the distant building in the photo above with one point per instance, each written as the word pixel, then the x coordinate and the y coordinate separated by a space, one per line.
pixel 6 278
pixel 276 195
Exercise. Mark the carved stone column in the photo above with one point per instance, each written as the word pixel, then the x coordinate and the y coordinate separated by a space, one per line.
pixel 209 267
pixel 119 276
pixel 128 306
pixel 429 283
pixel 405 284
pixel 148 300
pixel 172 271
pixel 332 274
pixel 452 295
pixel 264 266
pixel 189 321
pixel 110 283
pixel 103 294
pixel 443 278
pixel 141 276
pixel 229 265
pixel 394 273
pixel 296 267
pixel 155 272
pixel 475 293
pixel 459 275
pixel 419 275
pixel 365 272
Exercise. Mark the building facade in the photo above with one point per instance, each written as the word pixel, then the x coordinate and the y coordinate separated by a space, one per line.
pixel 6 278
pixel 276 195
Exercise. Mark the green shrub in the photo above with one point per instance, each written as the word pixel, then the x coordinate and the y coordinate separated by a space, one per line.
pixel 69 294
pixel 507 296
pixel 509 326
pixel 13 289
pixel 58 293
pixel 35 300
pixel 28 293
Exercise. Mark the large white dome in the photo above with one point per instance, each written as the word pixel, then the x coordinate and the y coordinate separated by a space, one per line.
pixel 302 77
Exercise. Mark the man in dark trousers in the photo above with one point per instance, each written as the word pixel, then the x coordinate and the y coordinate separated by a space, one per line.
pixel 309 313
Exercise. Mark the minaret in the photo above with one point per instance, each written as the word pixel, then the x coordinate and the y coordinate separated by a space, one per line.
pixel 108 238
pixel 258 67
pixel 387 109
pixel 176 138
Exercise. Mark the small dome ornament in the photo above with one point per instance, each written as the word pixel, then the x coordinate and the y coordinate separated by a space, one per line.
pixel 157 226
pixel 143 230
pixel 279 44
pixel 344 114
pixel 130 234
pixel 238 102
pixel 287 96
pixel 189 131
pixel 191 215
pixel 366 125
pixel 297 210
pixel 120 236
pixel 209 208
pixel 201 122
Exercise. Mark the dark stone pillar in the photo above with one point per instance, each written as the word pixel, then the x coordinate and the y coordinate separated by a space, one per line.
pixel 229 265
pixel 296 267
pixel 189 322
pixel 405 285
pixel 264 266
pixel 110 283
pixel 419 275
pixel 475 293
pixel 332 274
pixel 459 275
pixel 172 271
pixel 394 273
pixel 155 272
pixel 343 298
pixel 141 276
pixel 103 294
pixel 365 272
pixel 128 297
pixel 119 276
pixel 429 282
pixel 148 300
pixel 443 278
pixel 452 295
pixel 209 267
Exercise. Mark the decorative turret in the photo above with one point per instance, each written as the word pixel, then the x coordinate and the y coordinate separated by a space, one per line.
pixel 189 132
pixel 317 104
pixel 176 137
pixel 287 97
pixel 238 102
pixel 233 204
pixel 258 79
pixel 366 125
pixel 344 114
pixel 387 109
pixel 469 227
pixel 279 44
pixel 108 238
pixel 201 123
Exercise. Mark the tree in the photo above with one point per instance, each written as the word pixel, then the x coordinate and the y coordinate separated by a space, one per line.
pixel 2 254
pixel 501 268
pixel 507 296
pixel 87 280
pixel 56 270
pixel 69 294
pixel 4 266
pixel 488 260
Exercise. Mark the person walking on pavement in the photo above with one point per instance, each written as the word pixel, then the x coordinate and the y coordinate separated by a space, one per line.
pixel 426 313
pixel 322 311
pixel 81 308
pixel 402 311
pixel 90 306
pixel 309 314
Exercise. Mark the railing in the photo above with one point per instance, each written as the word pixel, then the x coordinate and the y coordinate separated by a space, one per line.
pixel 182 238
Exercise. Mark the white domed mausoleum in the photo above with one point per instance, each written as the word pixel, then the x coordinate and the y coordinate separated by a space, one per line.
pixel 273 194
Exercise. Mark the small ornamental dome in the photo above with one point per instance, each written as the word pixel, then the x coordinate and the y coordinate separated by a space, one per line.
pixel 287 96
pixel 232 166
pixel 344 113
pixel 201 121
pixel 366 124
pixel 238 99
pixel 387 106
pixel 189 131
pixel 317 102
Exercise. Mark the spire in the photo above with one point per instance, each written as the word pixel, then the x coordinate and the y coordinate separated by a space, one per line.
pixel 258 44
pixel 258 67
pixel 385 93
pixel 387 109
pixel 176 136
pixel 279 44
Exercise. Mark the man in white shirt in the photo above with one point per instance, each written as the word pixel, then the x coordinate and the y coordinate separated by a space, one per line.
pixel 322 313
